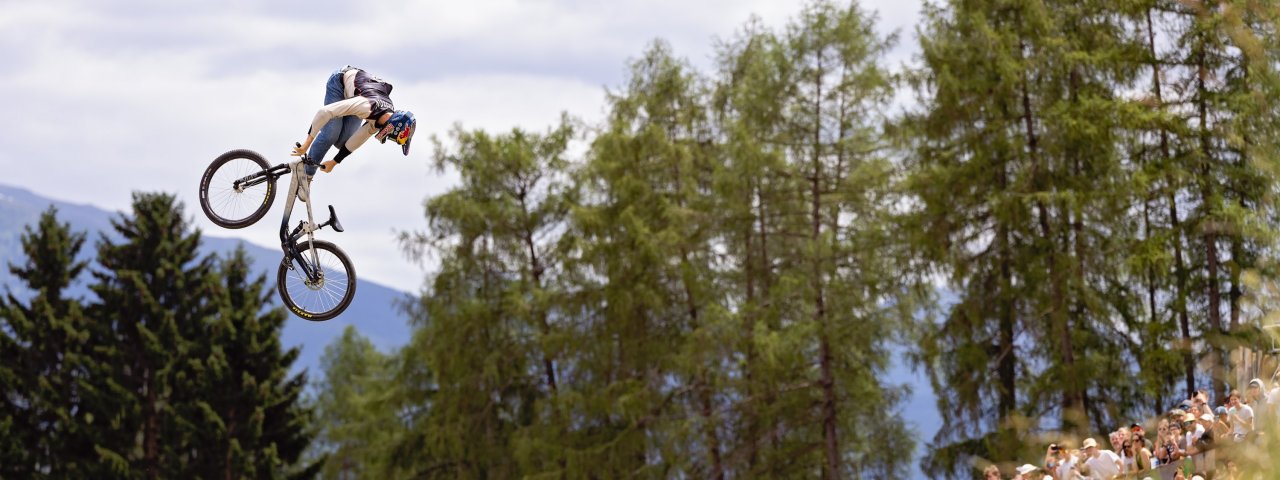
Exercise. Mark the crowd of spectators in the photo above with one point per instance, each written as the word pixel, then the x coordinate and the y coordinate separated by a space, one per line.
pixel 1192 427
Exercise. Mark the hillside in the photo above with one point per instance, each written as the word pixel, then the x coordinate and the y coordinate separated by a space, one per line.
pixel 373 312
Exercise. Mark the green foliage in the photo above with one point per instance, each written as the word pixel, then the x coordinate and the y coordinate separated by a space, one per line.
pixel 176 371
pixel 1085 228
pixel 709 293
pixel 44 346
pixel 358 424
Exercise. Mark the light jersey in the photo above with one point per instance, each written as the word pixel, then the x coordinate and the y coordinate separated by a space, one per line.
pixel 1064 469
pixel 1103 466
pixel 365 97
pixel 1194 436
pixel 1245 412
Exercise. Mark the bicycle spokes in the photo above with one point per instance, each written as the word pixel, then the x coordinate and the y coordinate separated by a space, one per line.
pixel 232 200
pixel 319 281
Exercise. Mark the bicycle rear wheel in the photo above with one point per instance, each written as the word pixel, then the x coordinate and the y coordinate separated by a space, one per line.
pixel 228 206
pixel 326 298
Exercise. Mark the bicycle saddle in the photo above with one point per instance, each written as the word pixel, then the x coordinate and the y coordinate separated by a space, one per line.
pixel 333 220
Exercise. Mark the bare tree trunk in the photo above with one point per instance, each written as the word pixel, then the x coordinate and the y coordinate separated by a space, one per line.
pixel 1071 401
pixel 1180 270
pixel 1210 231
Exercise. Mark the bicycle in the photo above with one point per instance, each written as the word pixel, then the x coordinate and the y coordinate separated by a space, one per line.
pixel 315 278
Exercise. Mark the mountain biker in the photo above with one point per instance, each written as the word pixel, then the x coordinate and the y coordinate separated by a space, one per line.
pixel 352 95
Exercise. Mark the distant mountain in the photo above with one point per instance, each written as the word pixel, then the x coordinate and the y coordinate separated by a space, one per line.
pixel 374 311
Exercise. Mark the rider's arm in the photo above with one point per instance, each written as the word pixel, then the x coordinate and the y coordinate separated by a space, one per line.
pixel 357 139
pixel 358 106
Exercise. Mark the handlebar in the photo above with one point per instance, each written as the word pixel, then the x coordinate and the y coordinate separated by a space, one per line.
pixel 306 160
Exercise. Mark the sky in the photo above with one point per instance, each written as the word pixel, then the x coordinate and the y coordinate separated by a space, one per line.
pixel 107 98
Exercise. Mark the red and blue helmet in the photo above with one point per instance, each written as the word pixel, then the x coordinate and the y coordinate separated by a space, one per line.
pixel 399 129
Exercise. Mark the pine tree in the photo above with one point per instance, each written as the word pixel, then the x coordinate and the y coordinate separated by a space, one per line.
pixel 237 398
pixel 188 378
pixel 154 293
pixel 43 341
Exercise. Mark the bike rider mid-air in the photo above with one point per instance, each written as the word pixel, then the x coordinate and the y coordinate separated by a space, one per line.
pixel 353 95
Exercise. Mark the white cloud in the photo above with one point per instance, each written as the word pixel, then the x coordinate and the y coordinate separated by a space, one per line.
pixel 105 98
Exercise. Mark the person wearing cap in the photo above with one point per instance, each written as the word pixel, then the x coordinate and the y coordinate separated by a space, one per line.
pixel 1101 464
pixel 1026 471
pixel 1204 423
pixel 1221 424
pixel 1192 430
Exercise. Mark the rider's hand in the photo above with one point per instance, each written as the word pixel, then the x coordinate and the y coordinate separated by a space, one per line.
pixel 328 165
pixel 299 150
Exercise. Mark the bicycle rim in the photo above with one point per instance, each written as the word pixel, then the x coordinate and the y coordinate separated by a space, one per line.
pixel 326 298
pixel 228 204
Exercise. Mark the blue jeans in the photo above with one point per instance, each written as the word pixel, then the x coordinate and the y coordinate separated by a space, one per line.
pixel 338 130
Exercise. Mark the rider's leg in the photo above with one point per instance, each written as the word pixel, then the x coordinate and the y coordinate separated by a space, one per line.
pixel 330 133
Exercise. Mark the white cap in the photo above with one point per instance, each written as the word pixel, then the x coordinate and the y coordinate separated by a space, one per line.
pixel 1197 477
pixel 1089 442
pixel 1027 468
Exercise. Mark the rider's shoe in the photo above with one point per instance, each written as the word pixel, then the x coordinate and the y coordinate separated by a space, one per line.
pixel 304 189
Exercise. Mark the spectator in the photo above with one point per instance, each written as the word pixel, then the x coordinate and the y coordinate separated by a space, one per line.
pixel 1128 464
pixel 991 473
pixel 1167 449
pixel 1117 439
pixel 1200 405
pixel 1059 462
pixel 1192 431
pixel 1142 453
pixel 1053 456
pixel 1241 415
pixel 1026 472
pixel 1255 399
pixel 1221 425
pixel 1233 472
pixel 1102 464
pixel 1205 426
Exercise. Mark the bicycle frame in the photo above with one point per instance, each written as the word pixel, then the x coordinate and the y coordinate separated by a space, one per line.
pixel 289 240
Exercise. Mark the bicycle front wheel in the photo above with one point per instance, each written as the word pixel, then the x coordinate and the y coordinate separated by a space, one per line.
pixel 237 206
pixel 325 297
